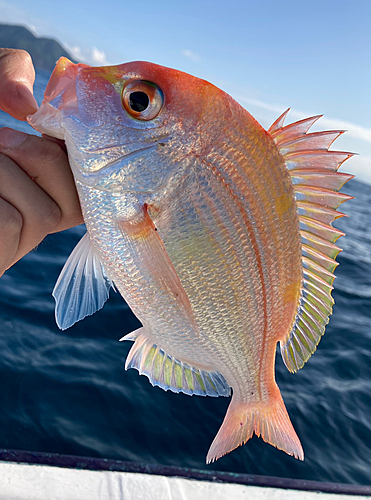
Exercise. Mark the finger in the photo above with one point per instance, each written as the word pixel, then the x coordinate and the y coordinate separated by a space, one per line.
pixel 10 232
pixel 17 76
pixel 46 162
pixel 60 142
pixel 40 214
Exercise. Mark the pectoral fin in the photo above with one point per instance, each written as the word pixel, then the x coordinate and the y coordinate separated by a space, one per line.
pixel 82 287
pixel 147 244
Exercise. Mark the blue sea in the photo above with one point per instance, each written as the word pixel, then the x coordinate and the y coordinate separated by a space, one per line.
pixel 68 392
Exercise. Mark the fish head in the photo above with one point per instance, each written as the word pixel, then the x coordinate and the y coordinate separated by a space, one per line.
pixel 131 127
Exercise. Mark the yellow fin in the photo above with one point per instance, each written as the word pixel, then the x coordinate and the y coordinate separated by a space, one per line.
pixel 169 373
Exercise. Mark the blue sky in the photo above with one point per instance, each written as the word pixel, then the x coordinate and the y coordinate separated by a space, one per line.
pixel 313 56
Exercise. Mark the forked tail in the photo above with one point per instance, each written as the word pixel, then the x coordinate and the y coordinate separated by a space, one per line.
pixel 269 420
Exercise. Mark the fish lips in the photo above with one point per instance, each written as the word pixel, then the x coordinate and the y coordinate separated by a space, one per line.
pixel 67 95
pixel 60 94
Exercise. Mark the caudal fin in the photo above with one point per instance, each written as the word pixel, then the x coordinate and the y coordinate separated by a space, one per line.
pixel 269 420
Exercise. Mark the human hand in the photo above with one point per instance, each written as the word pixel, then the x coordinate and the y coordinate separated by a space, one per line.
pixel 37 190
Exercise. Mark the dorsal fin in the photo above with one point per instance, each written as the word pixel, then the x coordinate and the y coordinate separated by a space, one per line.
pixel 313 170
pixel 278 124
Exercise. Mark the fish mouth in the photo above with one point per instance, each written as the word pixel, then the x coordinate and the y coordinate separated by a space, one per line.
pixel 64 74
pixel 59 94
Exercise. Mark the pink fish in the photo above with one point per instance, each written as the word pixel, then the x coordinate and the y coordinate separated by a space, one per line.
pixel 215 231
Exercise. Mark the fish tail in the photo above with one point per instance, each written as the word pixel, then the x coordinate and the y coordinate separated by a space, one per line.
pixel 269 420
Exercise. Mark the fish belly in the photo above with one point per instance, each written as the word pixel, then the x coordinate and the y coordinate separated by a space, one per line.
pixel 136 277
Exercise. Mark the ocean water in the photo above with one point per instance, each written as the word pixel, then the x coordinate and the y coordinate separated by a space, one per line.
pixel 68 392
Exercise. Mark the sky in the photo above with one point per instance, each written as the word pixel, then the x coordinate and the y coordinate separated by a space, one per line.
pixel 312 56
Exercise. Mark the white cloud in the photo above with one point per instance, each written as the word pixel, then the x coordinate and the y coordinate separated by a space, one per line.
pixel 191 55
pixel 259 104
pixel 353 130
pixel 99 57
pixel 33 29
pixel 360 166
pixel 91 55
pixel 75 52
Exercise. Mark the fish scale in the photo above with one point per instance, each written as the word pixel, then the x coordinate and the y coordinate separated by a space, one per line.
pixel 122 262
pixel 267 232
pixel 215 290
pixel 216 232
pixel 220 294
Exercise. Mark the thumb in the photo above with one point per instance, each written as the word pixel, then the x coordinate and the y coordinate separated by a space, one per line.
pixel 17 76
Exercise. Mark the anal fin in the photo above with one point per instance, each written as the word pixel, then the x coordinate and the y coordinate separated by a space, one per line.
pixel 169 373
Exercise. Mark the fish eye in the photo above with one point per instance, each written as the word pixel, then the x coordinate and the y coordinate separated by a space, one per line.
pixel 142 100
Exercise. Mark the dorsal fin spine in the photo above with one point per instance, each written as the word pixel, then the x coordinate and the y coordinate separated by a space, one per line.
pixel 320 212
pixel 320 288
pixel 329 160
pixel 278 124
pixel 295 129
pixel 319 271
pixel 316 306
pixel 320 229
pixel 316 183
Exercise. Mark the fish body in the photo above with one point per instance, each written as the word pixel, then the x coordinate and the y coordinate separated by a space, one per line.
pixel 215 231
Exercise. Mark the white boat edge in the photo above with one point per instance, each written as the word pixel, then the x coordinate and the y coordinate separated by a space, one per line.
pixel 76 481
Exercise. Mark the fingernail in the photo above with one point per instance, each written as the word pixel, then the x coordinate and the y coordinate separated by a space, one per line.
pixel 10 138
pixel 25 94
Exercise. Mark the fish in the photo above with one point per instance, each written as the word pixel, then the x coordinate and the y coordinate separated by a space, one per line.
pixel 216 232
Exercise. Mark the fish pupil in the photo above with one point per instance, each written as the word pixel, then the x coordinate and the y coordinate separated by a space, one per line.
pixel 138 101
